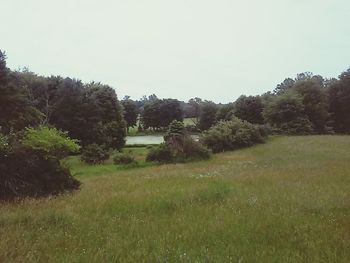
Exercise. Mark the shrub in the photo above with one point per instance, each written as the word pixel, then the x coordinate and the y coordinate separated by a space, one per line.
pixel 299 126
pixel 49 142
pixel 231 135
pixel 94 154
pixel 124 158
pixel 178 147
pixel 194 150
pixel 24 173
pixel 161 153
pixel 30 167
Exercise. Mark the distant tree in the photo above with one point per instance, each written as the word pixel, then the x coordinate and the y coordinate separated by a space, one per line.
pixel 160 113
pixel 284 86
pixel 225 112
pixel 170 110
pixel 102 115
pixel 195 106
pixel 339 103
pixel 304 76
pixel 90 113
pixel 286 113
pixel 4 71
pixel 16 110
pixel 130 112
pixel 249 109
pixel 315 102
pixel 150 115
pixel 208 115
pixel 288 83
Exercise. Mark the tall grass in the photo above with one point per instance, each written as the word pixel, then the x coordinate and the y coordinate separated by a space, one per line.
pixel 284 201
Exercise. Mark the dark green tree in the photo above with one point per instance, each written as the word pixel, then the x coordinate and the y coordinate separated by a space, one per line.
pixel 339 103
pixel 160 113
pixel 225 112
pixel 208 115
pixel 194 108
pixel 249 109
pixel 130 112
pixel 170 110
pixel 314 98
pixel 16 110
pixel 286 113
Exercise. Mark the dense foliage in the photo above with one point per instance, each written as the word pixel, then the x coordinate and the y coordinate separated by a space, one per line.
pixel 161 154
pixel 94 154
pixel 89 112
pixel 30 167
pixel 286 114
pixel 130 112
pixel 125 158
pixel 207 117
pixel 231 135
pixel 50 142
pixel 158 114
pixel 249 109
pixel 178 147
pixel 339 103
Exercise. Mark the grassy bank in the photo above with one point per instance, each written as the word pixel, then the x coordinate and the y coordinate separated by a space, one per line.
pixel 284 201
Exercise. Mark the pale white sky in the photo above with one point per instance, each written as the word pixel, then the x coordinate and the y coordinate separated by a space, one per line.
pixel 214 49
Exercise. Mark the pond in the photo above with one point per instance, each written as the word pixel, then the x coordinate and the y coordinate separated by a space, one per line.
pixel 149 139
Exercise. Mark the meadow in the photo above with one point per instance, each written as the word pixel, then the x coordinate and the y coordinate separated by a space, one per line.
pixel 287 200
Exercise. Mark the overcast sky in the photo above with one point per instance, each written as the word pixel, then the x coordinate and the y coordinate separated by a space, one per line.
pixel 214 49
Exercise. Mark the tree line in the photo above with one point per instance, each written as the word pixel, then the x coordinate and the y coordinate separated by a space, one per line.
pixel 306 104
pixel 92 113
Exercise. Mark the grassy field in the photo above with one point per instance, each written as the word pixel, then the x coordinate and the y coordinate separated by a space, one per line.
pixel 285 201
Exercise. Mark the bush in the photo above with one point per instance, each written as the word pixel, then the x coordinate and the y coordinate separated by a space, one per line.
pixel 94 154
pixel 30 166
pixel 124 158
pixel 25 173
pixel 178 147
pixel 231 135
pixel 299 126
pixel 161 154
pixel 49 142
pixel 194 150
pixel 285 113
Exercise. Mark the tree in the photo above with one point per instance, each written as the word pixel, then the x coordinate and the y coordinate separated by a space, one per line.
pixel 170 110
pixel 284 86
pixel 249 109
pixel 315 102
pixel 208 115
pixel 130 112
pixel 194 109
pixel 150 115
pixel 339 103
pixel 103 121
pixel 286 113
pixel 16 110
pixel 160 113
pixel 4 71
pixel 225 112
